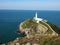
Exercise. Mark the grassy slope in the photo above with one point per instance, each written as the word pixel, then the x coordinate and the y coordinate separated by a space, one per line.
pixel 50 41
pixel 55 28
pixel 49 30
pixel 29 23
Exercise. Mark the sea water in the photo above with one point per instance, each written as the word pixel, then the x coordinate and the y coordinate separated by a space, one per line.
pixel 10 20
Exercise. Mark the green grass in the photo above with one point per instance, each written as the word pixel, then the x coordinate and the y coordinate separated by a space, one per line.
pixel 29 23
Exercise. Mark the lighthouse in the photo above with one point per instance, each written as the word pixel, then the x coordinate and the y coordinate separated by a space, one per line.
pixel 36 15
pixel 37 19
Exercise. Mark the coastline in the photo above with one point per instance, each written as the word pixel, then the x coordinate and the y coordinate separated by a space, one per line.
pixel 50 21
pixel 38 37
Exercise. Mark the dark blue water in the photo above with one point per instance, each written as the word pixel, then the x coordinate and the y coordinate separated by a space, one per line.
pixel 10 19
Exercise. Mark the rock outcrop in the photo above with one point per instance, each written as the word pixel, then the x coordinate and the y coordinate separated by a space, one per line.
pixel 30 27
pixel 36 34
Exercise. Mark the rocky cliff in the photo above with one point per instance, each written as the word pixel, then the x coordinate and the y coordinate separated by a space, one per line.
pixel 42 33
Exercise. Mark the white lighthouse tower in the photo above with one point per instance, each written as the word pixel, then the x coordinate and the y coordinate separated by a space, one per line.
pixel 37 19
pixel 36 15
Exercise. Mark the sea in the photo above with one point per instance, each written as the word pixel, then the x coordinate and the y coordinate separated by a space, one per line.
pixel 10 20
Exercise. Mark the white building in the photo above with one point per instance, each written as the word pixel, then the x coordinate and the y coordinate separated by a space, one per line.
pixel 37 19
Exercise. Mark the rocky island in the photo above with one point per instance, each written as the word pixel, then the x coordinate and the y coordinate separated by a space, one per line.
pixel 38 32
pixel 36 26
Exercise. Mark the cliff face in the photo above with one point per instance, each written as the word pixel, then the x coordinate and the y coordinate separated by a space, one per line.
pixel 30 27
pixel 36 34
